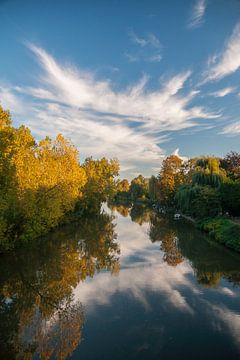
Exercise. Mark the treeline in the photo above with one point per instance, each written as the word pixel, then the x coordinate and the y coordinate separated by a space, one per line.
pixel 42 183
pixel 204 188
pixel 201 187
pixel 207 189
pixel 135 191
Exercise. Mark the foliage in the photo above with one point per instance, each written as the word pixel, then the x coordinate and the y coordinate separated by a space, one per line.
pixel 208 172
pixel 198 201
pixel 153 188
pixel 138 188
pixel 203 188
pixel 122 192
pixel 170 178
pixel 230 194
pixel 231 163
pixel 223 231
pixel 100 185
pixel 123 186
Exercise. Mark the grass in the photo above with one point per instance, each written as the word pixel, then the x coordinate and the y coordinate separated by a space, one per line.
pixel 223 230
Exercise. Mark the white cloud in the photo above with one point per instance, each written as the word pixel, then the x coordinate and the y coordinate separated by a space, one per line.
pixel 232 129
pixel 223 92
pixel 102 122
pixel 176 153
pixel 231 319
pixel 228 61
pixel 9 100
pixel 197 15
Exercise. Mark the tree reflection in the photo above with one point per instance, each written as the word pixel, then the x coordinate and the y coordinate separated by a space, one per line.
pixel 160 230
pixel 140 214
pixel 38 313
pixel 208 279
pixel 121 209
pixel 234 278
pixel 178 240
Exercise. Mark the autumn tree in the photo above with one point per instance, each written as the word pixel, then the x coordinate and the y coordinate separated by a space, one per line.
pixel 101 183
pixel 9 209
pixel 123 186
pixel 231 163
pixel 169 179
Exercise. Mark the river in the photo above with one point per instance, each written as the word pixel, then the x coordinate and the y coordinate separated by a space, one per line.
pixel 127 284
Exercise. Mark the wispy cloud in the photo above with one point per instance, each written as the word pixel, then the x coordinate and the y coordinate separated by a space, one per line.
pixel 228 61
pixel 149 40
pixel 223 92
pixel 127 124
pixel 148 48
pixel 9 99
pixel 155 58
pixel 232 129
pixel 230 319
pixel 197 15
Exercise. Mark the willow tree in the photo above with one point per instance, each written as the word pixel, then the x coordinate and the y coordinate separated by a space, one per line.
pixel 199 201
pixel 208 172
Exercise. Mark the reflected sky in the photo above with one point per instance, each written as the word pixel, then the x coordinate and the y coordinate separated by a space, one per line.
pixel 155 306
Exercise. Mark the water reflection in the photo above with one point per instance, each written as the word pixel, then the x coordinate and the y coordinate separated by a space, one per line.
pixel 173 289
pixel 38 314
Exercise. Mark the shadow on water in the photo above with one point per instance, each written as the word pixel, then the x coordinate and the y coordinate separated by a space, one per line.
pixel 42 318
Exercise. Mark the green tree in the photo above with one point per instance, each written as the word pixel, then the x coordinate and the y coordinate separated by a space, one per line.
pixel 230 194
pixel 138 188
pixel 199 201
pixel 153 188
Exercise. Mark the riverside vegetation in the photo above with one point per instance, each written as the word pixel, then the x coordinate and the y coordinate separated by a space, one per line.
pixel 207 189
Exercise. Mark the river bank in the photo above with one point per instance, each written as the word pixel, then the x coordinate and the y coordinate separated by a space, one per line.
pixel 221 229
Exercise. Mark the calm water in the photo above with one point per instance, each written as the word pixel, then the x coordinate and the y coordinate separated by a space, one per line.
pixel 125 285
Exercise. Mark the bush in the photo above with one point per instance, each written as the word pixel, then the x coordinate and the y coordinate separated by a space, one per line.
pixel 224 231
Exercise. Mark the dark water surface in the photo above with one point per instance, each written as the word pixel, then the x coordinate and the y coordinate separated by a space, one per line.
pixel 125 285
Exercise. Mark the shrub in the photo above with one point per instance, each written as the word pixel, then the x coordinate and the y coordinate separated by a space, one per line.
pixel 224 231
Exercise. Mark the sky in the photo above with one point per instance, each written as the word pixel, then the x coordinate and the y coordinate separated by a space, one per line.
pixel 133 80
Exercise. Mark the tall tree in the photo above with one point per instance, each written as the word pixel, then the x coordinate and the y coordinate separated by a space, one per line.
pixel 169 179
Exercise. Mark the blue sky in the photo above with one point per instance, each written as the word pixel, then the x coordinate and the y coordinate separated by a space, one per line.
pixel 134 80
